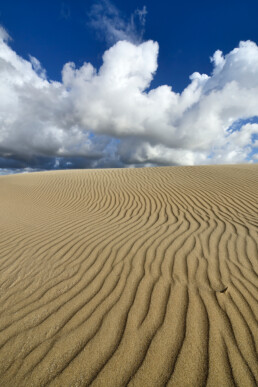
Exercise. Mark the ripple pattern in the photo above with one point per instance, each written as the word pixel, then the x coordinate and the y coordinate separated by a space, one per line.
pixel 129 277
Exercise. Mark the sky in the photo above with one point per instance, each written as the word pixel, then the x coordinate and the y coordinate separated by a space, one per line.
pixel 107 84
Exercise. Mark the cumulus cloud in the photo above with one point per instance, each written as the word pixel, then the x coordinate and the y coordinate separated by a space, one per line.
pixel 111 117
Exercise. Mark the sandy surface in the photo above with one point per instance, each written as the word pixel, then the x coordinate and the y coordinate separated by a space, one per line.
pixel 139 277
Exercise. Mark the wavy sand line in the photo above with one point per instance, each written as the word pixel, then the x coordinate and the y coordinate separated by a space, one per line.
pixel 144 277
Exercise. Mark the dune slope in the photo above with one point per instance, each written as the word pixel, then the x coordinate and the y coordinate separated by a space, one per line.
pixel 138 277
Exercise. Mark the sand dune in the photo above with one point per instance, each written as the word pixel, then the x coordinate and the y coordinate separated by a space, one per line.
pixel 138 277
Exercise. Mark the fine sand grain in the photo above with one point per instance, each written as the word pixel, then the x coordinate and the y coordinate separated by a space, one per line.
pixel 138 277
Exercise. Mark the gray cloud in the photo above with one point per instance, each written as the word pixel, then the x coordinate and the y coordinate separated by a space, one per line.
pixel 106 117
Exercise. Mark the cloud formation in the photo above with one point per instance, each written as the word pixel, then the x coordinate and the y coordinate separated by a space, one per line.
pixel 111 26
pixel 111 116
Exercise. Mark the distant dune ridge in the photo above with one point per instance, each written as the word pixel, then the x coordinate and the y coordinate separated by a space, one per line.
pixel 138 277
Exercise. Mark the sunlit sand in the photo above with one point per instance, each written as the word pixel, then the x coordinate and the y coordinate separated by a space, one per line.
pixel 139 277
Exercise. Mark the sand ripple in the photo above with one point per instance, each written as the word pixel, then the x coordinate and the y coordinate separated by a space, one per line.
pixel 138 277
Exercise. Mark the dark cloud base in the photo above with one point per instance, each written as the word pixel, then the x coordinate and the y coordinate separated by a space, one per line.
pixel 42 163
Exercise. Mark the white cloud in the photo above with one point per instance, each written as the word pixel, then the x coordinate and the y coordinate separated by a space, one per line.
pixel 111 26
pixel 79 116
pixel 36 65
pixel 4 34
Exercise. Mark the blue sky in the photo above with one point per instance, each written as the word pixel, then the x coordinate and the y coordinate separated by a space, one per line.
pixel 86 121
pixel 188 32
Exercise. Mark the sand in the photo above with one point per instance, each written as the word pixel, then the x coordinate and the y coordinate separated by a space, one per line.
pixel 138 277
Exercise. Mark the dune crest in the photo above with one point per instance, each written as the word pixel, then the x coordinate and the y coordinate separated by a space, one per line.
pixel 138 277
